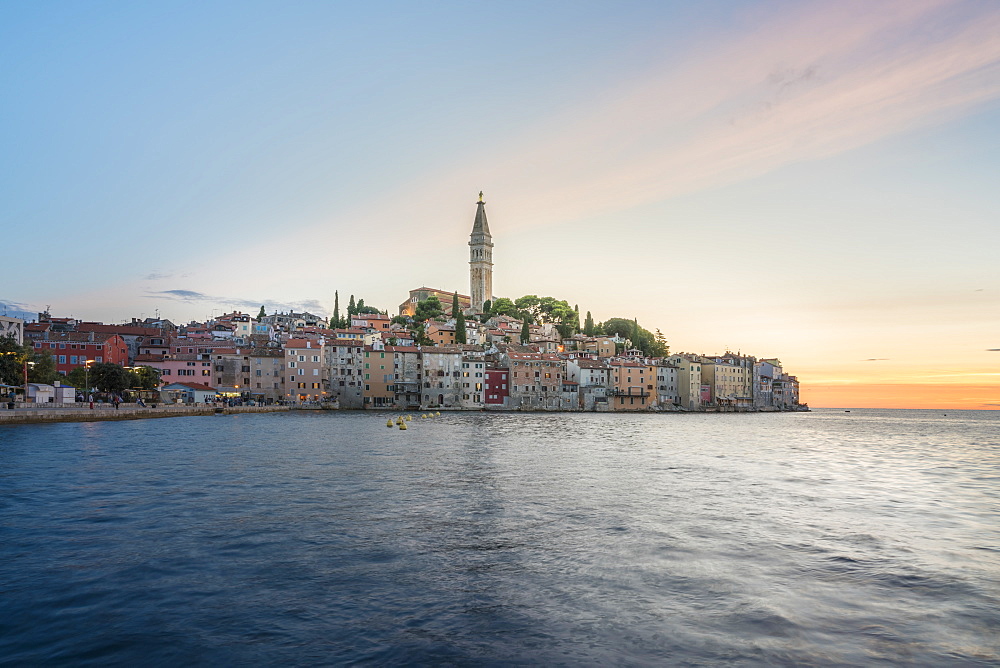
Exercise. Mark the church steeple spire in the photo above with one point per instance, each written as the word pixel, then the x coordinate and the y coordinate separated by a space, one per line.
pixel 480 257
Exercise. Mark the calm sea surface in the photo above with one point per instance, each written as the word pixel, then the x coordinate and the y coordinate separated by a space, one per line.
pixel 861 538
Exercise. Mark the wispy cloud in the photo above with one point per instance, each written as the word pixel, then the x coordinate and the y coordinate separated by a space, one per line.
pixel 17 309
pixel 783 87
pixel 826 79
pixel 192 296
pixel 993 350
pixel 157 276
pixel 876 359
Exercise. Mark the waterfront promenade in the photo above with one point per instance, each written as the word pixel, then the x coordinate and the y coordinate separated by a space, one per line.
pixel 40 413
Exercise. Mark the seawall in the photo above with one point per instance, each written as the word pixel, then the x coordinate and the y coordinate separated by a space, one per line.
pixel 100 412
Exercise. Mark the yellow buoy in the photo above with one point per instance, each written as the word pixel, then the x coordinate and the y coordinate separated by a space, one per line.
pixel 423 416
pixel 409 417
pixel 402 425
pixel 438 414
pixel 389 423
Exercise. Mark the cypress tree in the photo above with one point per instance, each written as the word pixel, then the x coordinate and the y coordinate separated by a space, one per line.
pixel 460 334
pixel 588 325
pixel 525 332
pixel 262 312
pixel 352 308
pixel 454 305
pixel 335 320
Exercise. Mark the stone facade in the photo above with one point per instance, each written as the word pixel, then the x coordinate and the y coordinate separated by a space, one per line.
pixel 480 258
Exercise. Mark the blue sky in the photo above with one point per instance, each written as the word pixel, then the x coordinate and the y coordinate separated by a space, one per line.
pixel 810 180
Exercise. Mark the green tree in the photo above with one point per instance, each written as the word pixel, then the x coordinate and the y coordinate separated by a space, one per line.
pixel 529 304
pixel 547 310
pixel 588 325
pixel 359 307
pixel 454 305
pixel 109 377
pixel 428 308
pixel 525 332
pixel 335 320
pixel 420 337
pixel 42 368
pixel 461 336
pixel 660 347
pixel 77 377
pixel 262 312
pixel 144 378
pixel 352 309
pixel 504 306
pixel 401 320
pixel 12 357
pixel 629 329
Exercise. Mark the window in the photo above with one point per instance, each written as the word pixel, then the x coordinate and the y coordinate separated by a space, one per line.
pixel 62 358
pixel 72 359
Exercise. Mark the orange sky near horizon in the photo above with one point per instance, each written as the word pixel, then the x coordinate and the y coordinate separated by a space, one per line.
pixel 955 396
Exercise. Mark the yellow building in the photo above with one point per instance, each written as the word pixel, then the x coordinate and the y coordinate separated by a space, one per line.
pixel 632 386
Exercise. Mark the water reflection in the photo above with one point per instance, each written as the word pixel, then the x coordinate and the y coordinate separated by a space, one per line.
pixel 326 538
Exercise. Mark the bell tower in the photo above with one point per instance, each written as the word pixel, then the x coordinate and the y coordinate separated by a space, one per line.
pixel 480 258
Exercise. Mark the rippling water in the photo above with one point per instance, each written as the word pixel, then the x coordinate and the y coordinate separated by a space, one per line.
pixel 325 538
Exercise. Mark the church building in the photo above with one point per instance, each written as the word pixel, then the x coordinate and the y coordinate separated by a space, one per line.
pixel 480 272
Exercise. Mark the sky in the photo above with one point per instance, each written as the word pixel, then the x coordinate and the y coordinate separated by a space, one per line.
pixel 813 181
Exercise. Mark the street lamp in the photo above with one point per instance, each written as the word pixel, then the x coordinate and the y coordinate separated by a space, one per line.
pixel 86 375
pixel 26 363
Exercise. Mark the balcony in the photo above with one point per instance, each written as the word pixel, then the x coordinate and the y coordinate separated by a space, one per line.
pixel 630 392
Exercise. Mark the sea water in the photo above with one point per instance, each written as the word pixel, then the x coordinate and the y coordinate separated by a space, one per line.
pixel 325 538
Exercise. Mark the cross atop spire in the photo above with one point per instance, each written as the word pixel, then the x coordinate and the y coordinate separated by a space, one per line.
pixel 480 228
